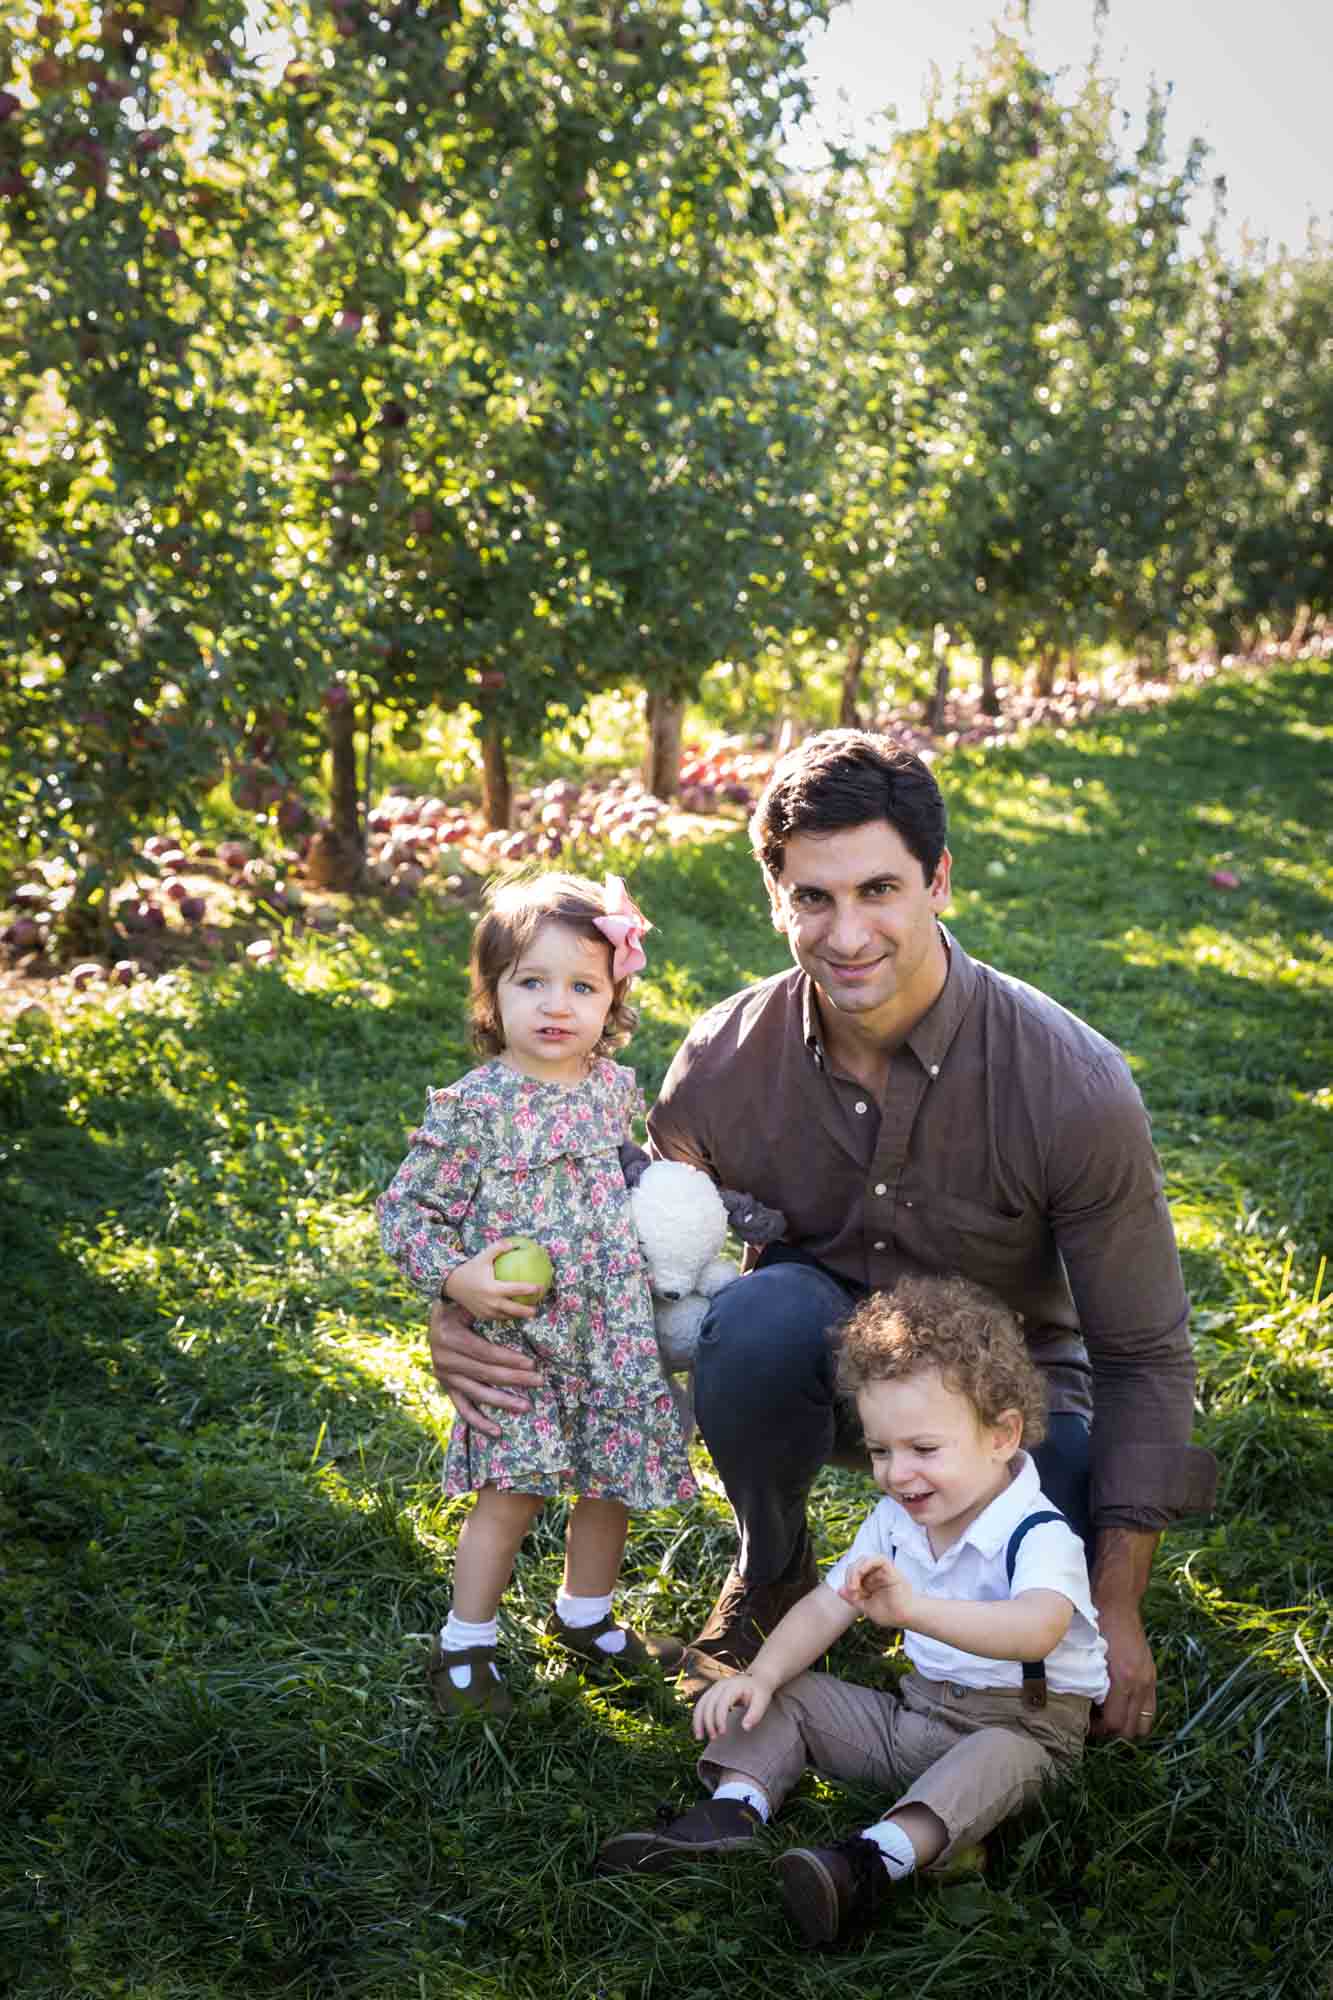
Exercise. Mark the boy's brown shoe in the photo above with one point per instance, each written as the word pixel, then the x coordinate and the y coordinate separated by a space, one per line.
pixel 484 1693
pixel 641 1649
pixel 833 1890
pixel 715 1826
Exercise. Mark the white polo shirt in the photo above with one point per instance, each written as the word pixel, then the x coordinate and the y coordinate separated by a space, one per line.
pixel 1050 1557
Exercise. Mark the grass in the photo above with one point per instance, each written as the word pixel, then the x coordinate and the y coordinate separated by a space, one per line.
pixel 224 1539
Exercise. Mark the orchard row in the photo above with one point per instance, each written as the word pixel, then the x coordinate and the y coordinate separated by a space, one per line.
pixel 481 360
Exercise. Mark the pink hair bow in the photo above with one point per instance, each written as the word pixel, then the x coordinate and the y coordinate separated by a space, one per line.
pixel 623 927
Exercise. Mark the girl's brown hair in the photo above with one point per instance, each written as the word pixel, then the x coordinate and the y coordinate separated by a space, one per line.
pixel 516 908
pixel 960 1329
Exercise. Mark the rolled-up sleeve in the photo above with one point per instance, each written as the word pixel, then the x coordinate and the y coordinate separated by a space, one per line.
pixel 421 1211
pixel 1114 1233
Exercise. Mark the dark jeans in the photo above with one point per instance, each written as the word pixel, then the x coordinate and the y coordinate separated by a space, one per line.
pixel 766 1407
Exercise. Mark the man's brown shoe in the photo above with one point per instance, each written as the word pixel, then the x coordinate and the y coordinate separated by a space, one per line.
pixel 741 1620
pixel 641 1649
pixel 833 1890
pixel 483 1693
pixel 716 1826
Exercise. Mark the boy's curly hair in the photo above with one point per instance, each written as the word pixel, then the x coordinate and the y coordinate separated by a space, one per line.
pixel 516 908
pixel 964 1331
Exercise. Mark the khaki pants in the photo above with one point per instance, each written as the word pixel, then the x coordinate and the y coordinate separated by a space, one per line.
pixel 972 1755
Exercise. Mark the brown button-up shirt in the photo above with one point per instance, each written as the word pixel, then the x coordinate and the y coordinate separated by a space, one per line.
pixel 1011 1145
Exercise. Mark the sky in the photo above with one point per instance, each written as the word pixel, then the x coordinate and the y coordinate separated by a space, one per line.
pixel 1253 78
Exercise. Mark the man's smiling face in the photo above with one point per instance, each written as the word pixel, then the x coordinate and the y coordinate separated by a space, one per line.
pixel 861 920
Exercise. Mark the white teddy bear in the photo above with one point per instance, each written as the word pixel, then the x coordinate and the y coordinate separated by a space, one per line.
pixel 682 1220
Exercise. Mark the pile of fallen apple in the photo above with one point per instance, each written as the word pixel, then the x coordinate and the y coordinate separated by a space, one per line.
pixel 410 838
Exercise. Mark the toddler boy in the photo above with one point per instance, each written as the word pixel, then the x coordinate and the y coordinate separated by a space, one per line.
pixel 990 1587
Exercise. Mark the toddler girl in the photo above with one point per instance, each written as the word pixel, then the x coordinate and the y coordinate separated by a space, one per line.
pixel 527 1145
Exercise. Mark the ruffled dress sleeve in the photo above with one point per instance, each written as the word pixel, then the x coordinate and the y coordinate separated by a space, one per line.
pixel 422 1211
pixel 628 1098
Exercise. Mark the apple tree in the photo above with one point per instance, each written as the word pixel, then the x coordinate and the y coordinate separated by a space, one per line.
pixel 512 247
pixel 1274 521
pixel 141 488
pixel 1004 307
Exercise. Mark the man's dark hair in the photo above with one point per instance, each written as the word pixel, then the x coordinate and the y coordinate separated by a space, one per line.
pixel 844 778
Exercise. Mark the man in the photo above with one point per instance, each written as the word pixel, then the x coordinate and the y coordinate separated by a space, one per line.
pixel 910 1109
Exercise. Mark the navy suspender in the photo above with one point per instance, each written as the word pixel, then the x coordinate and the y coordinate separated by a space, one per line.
pixel 1034 1671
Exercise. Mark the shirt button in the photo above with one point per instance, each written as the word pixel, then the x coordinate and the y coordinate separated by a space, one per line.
pixel 957 1690
pixel 861 1105
pixel 907 1204
pixel 934 1069
pixel 881 1187
pixel 880 1246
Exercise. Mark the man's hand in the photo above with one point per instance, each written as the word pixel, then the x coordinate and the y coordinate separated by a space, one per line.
pixel 1119 1578
pixel 878 1590
pixel 1131 1702
pixel 474 1372
pixel 716 1703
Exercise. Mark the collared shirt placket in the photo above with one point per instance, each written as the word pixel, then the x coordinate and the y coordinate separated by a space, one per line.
pixel 884 1197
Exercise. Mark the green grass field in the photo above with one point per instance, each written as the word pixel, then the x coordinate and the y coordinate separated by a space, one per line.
pixel 224 1539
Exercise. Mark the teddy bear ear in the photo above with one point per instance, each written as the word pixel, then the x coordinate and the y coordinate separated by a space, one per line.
pixel 634 1164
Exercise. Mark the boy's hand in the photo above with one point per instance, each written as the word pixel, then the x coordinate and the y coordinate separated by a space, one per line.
pixel 716 1703
pixel 878 1590
pixel 475 1287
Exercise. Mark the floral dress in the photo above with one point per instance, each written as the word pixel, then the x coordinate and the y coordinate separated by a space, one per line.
pixel 502 1154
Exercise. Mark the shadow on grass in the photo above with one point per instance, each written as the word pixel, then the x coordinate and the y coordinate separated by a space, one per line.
pixel 221 1764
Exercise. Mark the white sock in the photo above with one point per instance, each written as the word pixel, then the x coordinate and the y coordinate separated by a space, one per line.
pixel 750 1795
pixel 898 1851
pixel 456 1635
pixel 583 1611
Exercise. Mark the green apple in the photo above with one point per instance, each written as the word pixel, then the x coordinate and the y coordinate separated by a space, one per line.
pixel 525 1264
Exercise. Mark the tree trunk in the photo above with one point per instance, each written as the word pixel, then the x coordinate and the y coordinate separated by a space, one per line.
pixel 344 792
pixel 1047 662
pixel 1296 635
pixel 940 696
pixel 1154 661
pixel 1226 635
pixel 661 764
pixel 990 699
pixel 496 793
pixel 848 716
pixel 368 763
pixel 337 854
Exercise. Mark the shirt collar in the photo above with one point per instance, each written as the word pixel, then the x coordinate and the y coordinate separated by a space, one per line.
pixel 930 1039
pixel 991 1530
